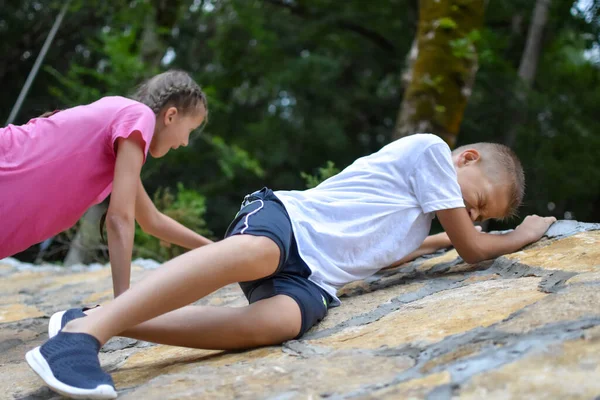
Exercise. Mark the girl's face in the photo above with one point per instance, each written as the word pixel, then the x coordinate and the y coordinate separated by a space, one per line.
pixel 173 129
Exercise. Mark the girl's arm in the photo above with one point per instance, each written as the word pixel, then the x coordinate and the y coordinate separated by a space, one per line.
pixel 120 217
pixel 163 227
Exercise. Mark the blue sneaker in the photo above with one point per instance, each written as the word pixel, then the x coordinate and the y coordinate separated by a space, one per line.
pixel 60 319
pixel 69 365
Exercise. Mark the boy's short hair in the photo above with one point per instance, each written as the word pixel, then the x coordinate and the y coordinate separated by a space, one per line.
pixel 500 163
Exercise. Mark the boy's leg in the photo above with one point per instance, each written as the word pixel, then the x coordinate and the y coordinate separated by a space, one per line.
pixel 182 281
pixel 266 322
pixel 282 306
pixel 258 246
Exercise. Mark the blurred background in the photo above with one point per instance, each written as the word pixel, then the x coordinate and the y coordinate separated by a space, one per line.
pixel 298 89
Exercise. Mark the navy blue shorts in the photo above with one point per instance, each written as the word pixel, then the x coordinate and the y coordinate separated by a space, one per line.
pixel 263 214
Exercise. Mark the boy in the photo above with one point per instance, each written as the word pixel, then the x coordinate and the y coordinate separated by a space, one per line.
pixel 291 250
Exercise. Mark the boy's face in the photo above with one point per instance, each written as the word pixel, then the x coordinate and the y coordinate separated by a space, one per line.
pixel 484 199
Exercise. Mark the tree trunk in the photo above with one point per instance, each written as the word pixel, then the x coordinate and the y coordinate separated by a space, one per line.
pixel 157 28
pixel 151 47
pixel 411 58
pixel 87 238
pixel 444 70
pixel 529 62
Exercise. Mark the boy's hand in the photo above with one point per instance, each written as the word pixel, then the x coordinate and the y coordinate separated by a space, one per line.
pixel 475 246
pixel 533 227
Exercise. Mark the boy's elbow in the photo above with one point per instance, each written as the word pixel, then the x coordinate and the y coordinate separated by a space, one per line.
pixel 472 256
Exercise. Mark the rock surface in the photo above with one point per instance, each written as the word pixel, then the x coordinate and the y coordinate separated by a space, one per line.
pixel 526 325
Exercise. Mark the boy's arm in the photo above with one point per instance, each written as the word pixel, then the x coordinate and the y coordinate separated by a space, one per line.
pixel 474 246
pixel 431 244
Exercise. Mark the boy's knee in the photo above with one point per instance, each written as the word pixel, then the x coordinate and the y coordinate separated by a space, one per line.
pixel 259 252
pixel 275 324
pixel 271 334
pixel 258 246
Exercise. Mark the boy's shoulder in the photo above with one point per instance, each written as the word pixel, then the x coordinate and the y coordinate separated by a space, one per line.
pixel 430 156
pixel 417 144
pixel 422 140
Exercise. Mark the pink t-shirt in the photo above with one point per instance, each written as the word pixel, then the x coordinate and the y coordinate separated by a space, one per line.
pixel 53 169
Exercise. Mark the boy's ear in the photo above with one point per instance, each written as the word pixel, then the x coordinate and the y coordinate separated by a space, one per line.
pixel 468 157
pixel 170 114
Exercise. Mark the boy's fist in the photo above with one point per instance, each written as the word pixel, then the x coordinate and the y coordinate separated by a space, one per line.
pixel 534 226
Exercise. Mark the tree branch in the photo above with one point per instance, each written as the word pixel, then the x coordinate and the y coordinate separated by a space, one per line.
pixel 369 34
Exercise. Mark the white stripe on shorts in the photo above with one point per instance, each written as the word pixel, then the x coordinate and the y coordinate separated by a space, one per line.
pixel 246 226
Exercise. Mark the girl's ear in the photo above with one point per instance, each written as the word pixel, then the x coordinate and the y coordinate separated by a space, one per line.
pixel 170 114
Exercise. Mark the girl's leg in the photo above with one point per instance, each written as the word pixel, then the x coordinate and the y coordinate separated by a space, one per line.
pixel 182 281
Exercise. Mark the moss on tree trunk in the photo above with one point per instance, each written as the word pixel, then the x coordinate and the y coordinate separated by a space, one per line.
pixel 444 71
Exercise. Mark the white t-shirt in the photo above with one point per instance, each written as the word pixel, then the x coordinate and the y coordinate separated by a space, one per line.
pixel 374 212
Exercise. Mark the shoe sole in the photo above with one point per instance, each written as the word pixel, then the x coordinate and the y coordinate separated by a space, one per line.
pixel 54 326
pixel 39 365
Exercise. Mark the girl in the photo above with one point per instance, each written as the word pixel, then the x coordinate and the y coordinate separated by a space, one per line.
pixel 54 168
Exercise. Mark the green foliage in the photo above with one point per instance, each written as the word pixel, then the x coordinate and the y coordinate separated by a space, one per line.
pixel 232 158
pixel 435 83
pixel 447 23
pixel 465 46
pixel 119 66
pixel 322 174
pixel 560 137
pixel 187 207
pixel 293 84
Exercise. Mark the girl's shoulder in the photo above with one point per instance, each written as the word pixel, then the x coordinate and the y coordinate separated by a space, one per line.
pixel 119 106
pixel 119 102
pixel 106 111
